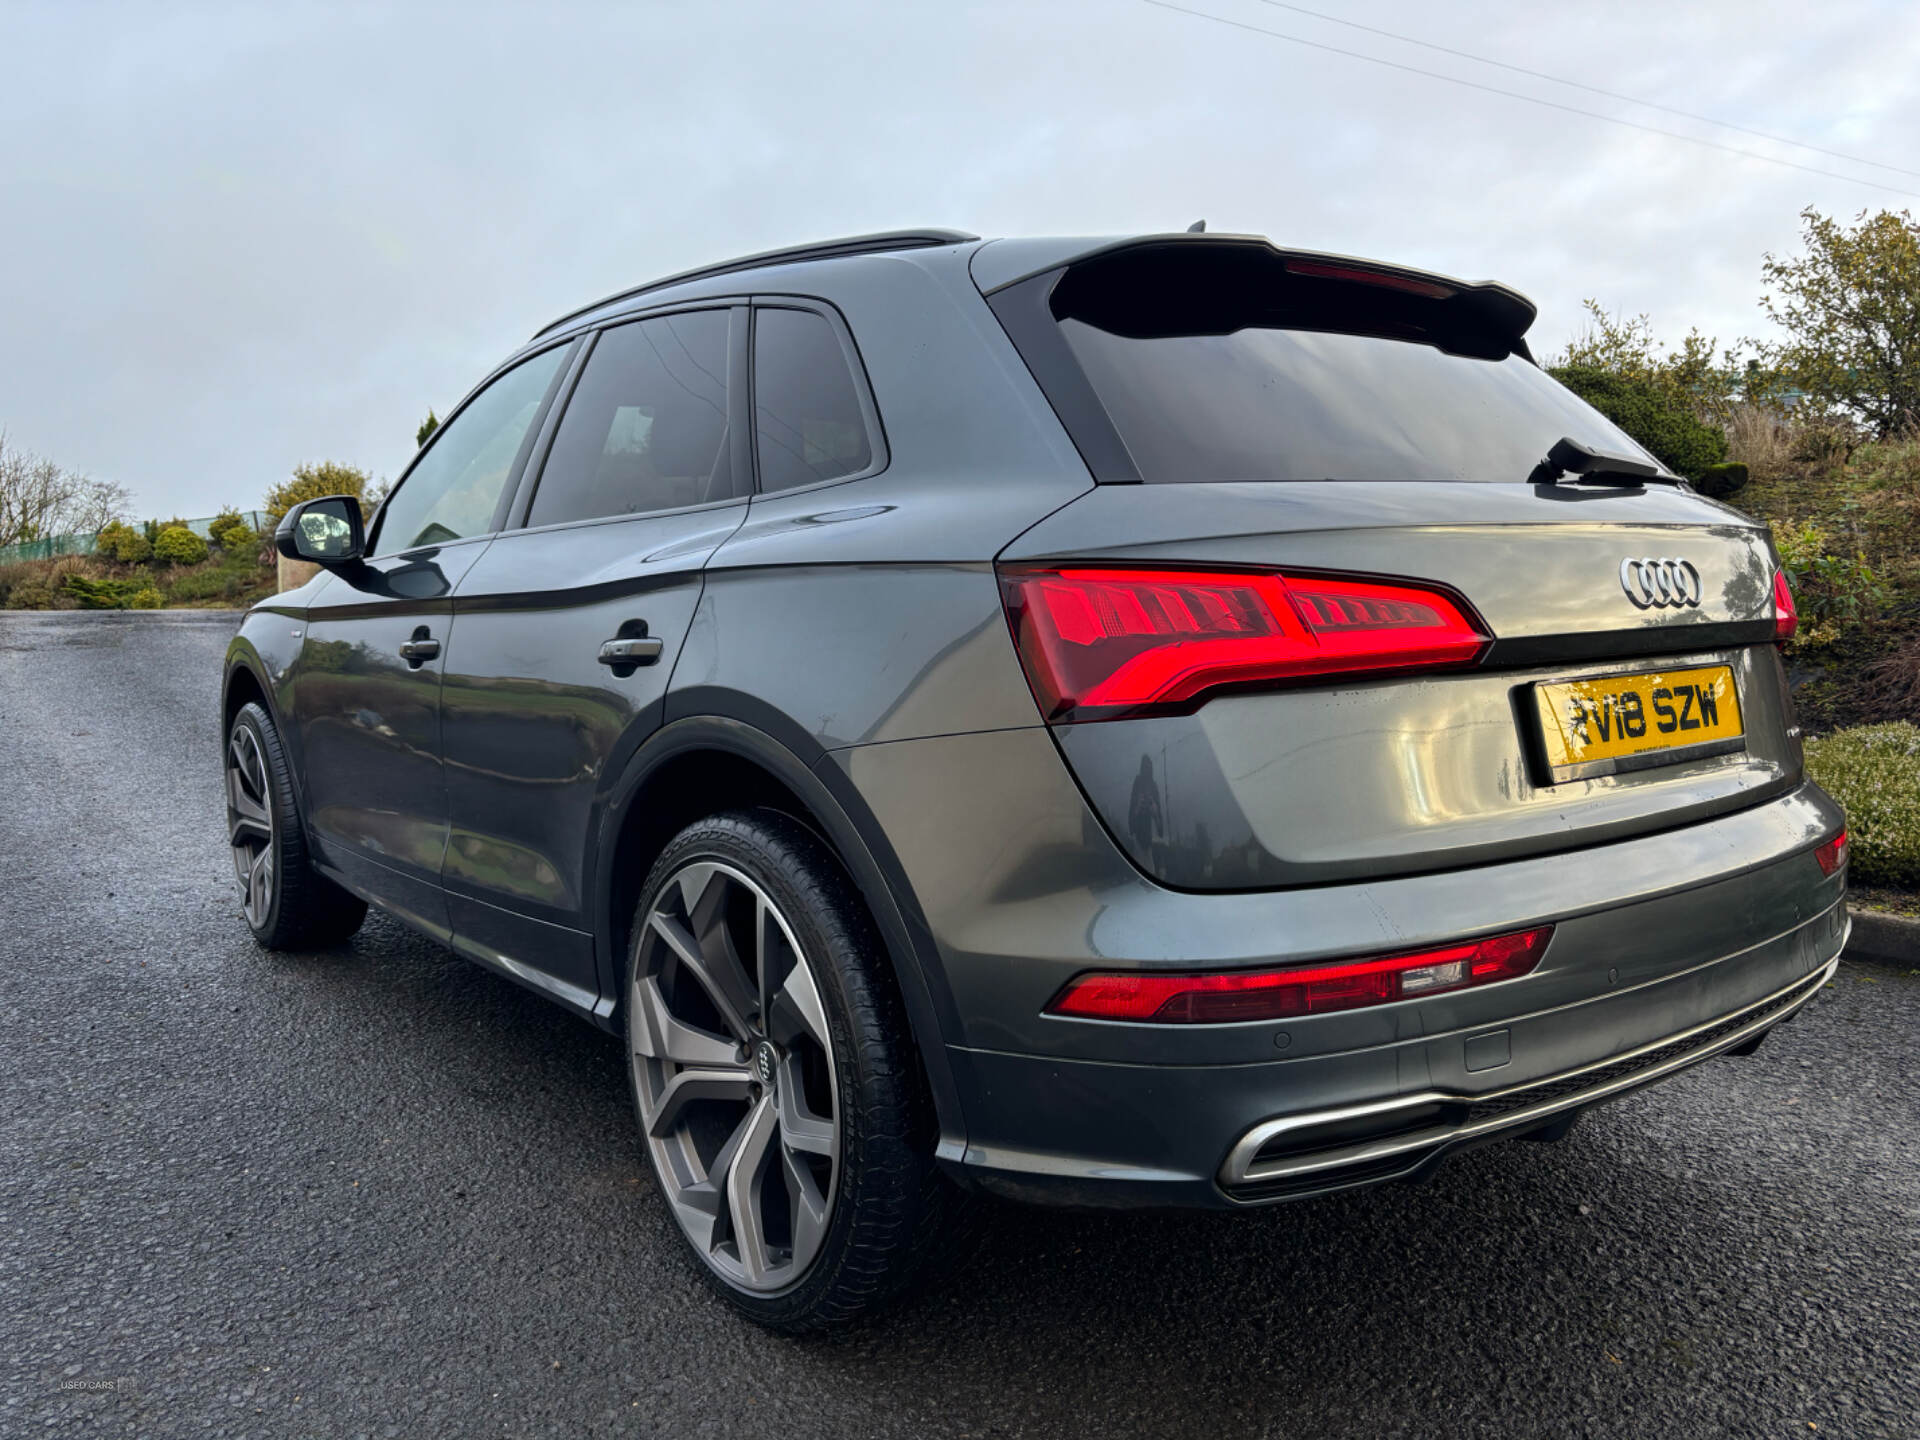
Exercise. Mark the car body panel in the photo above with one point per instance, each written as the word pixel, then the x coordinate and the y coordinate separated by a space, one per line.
pixel 1340 780
pixel 367 726
pixel 535 727
pixel 849 639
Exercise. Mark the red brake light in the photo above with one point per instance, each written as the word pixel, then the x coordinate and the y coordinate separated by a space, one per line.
pixel 1353 273
pixel 1101 643
pixel 1310 990
pixel 1786 619
pixel 1833 854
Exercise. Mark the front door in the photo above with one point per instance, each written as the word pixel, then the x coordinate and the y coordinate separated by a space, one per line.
pixel 566 632
pixel 366 694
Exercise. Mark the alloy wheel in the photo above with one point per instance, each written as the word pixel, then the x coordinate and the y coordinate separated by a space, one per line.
pixel 734 1072
pixel 250 824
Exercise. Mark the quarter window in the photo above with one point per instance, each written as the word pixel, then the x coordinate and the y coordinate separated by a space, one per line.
pixel 807 416
pixel 646 428
pixel 453 491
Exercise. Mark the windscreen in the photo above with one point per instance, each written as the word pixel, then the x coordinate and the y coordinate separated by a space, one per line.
pixel 1237 363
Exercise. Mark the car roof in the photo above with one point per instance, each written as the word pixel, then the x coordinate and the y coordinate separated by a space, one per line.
pixel 996 264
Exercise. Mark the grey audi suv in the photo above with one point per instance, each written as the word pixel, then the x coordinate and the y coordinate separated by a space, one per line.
pixel 1169 720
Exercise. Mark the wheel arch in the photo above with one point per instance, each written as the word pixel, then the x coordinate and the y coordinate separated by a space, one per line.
pixel 722 750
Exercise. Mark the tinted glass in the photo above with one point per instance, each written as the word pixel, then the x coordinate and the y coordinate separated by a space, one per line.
pixel 1217 369
pixel 807 416
pixel 454 490
pixel 646 428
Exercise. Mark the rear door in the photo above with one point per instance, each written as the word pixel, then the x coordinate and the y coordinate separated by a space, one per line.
pixel 1333 619
pixel 366 696
pixel 568 627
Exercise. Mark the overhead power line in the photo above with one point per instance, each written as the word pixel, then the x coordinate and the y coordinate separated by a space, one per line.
pixel 1531 99
pixel 1590 89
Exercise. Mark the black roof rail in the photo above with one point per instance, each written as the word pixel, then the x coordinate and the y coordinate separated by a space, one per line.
pixel 818 250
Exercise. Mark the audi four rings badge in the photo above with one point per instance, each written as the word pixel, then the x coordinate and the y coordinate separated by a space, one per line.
pixel 1653 584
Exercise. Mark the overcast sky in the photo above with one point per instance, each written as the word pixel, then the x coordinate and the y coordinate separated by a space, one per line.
pixel 237 239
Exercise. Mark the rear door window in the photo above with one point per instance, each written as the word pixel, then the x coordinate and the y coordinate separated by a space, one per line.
pixel 809 423
pixel 646 428
pixel 1215 363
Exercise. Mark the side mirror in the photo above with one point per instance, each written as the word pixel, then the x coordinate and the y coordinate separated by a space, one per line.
pixel 326 531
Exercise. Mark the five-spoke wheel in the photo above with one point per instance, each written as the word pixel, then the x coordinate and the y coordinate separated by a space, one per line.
pixel 250 824
pixel 784 1108
pixel 733 1068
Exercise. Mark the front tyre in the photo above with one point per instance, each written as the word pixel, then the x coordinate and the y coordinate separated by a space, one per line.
pixel 289 905
pixel 778 1089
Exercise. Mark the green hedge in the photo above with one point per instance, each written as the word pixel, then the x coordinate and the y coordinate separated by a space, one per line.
pixel 1658 418
pixel 1874 771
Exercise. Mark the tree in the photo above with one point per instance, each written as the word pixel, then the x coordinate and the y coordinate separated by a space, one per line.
pixel 39 499
pixel 310 482
pixel 1693 376
pixel 427 427
pixel 1850 307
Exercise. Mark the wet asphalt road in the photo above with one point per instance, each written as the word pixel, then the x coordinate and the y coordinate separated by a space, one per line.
pixel 381 1192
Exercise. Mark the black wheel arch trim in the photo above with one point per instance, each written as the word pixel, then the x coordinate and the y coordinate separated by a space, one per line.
pixel 719 719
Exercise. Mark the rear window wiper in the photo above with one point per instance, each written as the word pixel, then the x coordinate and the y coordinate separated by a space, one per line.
pixel 1598 467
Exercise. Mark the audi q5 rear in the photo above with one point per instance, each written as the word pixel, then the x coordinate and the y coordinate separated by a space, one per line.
pixel 1167 721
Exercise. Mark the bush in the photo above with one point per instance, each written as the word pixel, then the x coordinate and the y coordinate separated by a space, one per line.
pixel 1828 590
pixel 97 594
pixel 1720 481
pixel 146 598
pixel 229 530
pixel 1874 771
pixel 310 482
pixel 123 543
pixel 33 595
pixel 177 545
pixel 1656 416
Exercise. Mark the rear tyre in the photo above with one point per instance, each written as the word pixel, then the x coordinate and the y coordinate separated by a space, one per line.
pixel 780 1096
pixel 288 904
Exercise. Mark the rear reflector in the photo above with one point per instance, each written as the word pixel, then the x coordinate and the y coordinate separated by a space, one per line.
pixel 1312 990
pixel 1786 619
pixel 1833 854
pixel 1098 644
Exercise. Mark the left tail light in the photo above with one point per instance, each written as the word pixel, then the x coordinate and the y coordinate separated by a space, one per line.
pixel 1102 643
pixel 1786 619
pixel 1833 854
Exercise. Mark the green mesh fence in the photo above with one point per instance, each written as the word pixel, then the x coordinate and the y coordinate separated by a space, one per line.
pixel 57 545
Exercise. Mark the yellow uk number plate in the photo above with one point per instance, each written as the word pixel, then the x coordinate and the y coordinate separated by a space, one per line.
pixel 1616 723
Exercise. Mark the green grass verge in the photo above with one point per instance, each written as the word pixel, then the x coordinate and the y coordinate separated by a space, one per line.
pixel 1874 771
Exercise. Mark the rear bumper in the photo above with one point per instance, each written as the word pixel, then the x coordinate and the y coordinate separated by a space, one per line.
pixel 1279 1158
pixel 1664 947
pixel 1079 1133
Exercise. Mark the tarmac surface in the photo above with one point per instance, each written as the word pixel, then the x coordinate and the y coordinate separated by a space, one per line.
pixel 381 1192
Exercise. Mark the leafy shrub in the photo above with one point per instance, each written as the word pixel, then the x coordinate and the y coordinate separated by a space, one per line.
pixel 1874 771
pixel 33 595
pixel 146 598
pixel 229 523
pixel 310 482
pixel 98 594
pixel 1828 590
pixel 1655 415
pixel 177 545
pixel 124 543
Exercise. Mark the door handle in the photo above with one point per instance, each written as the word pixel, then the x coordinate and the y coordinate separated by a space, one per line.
pixel 629 651
pixel 420 649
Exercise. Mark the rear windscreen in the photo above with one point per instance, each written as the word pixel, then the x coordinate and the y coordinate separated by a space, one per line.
pixel 1223 363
